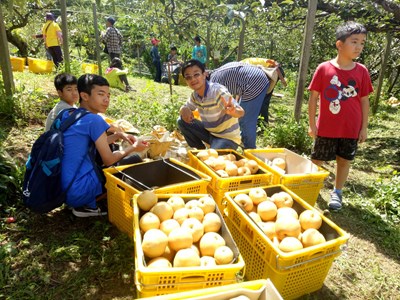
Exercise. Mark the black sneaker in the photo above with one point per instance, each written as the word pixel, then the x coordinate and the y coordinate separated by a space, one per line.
pixel 84 212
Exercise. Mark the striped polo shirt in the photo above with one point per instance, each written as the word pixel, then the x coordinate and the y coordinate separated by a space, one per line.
pixel 241 79
pixel 212 112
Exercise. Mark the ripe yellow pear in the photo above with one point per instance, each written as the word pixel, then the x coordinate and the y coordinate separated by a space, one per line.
pixel 168 225
pixel 312 237
pixel 195 227
pixel 186 258
pixel 163 210
pixel 207 204
pixel 154 243
pixel 146 200
pixel 257 195
pixel 209 242
pixel 286 212
pixel 180 238
pixel 223 255
pixel 159 262
pixel 149 221
pixel 176 202
pixel 289 244
pixel 212 222
pixel 287 227
pixel 282 199
pixel 267 210
pixel 310 219
pixel 244 201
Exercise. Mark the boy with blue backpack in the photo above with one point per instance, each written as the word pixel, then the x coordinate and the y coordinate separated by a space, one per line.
pixel 62 167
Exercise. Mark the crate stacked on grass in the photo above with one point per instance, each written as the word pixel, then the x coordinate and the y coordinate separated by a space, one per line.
pixel 164 176
pixel 161 279
pixel 299 174
pixel 17 63
pixel 90 68
pixel 40 66
pixel 262 289
pixel 220 185
pixel 293 273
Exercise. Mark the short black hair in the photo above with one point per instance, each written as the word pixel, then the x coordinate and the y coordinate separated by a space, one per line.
pixel 63 79
pixel 192 63
pixel 87 82
pixel 349 28
pixel 173 48
pixel 197 38
pixel 116 63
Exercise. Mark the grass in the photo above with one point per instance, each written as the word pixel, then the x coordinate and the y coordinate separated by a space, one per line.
pixel 55 256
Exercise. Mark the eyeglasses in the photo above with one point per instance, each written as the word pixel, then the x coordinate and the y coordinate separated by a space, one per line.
pixel 190 77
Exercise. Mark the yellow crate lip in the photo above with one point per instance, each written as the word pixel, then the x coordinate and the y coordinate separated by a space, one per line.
pixel 253 285
pixel 322 173
pixel 141 270
pixel 112 170
pixel 219 183
pixel 342 239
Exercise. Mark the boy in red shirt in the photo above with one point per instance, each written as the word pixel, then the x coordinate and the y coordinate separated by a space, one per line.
pixel 342 87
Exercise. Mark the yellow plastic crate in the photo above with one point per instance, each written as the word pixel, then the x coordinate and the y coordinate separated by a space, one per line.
pixel 90 68
pixel 17 63
pixel 120 193
pixel 162 281
pixel 40 66
pixel 306 185
pixel 262 289
pixel 295 273
pixel 220 185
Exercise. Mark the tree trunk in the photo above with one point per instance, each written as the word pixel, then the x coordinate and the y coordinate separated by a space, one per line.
pixel 19 43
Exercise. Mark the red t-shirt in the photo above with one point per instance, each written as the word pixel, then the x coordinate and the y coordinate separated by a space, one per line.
pixel 340 92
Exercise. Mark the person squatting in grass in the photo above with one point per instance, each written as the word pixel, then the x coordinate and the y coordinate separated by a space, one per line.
pixel 116 75
pixel 219 112
pixel 94 96
pixel 342 87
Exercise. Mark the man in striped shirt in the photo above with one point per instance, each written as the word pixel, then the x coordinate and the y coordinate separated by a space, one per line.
pixel 250 84
pixel 219 112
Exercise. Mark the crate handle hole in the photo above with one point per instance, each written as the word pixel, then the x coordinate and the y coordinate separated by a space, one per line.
pixel 246 181
pixel 193 279
pixel 121 187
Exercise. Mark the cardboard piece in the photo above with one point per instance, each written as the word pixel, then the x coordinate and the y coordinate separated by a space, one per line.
pixel 295 164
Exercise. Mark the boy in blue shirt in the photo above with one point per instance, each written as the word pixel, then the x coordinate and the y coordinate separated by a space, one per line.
pixel 77 165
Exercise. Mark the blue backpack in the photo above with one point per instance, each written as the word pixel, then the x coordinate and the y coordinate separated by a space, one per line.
pixel 42 190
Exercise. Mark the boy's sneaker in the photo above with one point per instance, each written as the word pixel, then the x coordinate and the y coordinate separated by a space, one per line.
pixel 336 201
pixel 84 212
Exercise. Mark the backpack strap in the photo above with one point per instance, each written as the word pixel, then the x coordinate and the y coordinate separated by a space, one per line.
pixel 75 115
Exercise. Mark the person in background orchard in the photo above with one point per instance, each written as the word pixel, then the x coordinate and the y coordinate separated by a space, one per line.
pixel 199 51
pixel 156 58
pixel 248 83
pixel 341 87
pixel 112 39
pixel 116 75
pixel 53 38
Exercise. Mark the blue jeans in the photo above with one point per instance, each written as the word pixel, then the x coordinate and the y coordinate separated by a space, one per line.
pixel 248 123
pixel 265 107
pixel 195 134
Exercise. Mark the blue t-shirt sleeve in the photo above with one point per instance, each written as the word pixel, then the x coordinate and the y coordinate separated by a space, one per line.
pixel 97 127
